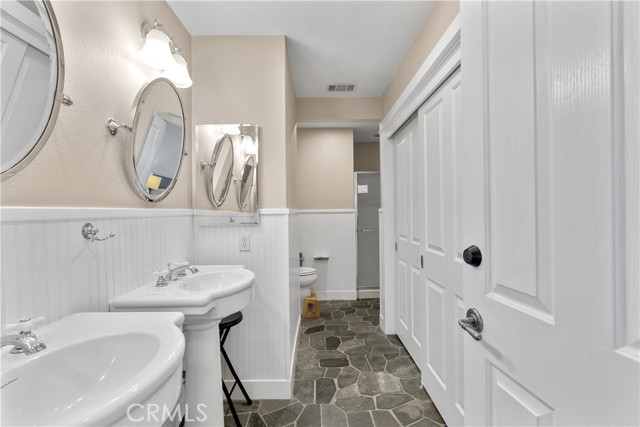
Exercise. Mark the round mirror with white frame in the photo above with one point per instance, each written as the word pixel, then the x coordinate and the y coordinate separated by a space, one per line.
pixel 157 141
pixel 247 182
pixel 221 170
pixel 32 76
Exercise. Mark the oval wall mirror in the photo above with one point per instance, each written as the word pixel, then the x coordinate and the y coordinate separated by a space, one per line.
pixel 32 75
pixel 157 145
pixel 247 181
pixel 221 170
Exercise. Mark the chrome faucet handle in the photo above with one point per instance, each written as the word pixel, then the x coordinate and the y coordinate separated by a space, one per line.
pixel 161 281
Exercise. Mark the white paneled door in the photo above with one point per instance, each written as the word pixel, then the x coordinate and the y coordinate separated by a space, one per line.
pixel 550 197
pixel 409 184
pixel 442 367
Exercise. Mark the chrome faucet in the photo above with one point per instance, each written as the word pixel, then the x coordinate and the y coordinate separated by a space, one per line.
pixel 24 342
pixel 174 273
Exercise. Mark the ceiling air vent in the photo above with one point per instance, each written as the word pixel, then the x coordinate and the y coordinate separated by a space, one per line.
pixel 341 87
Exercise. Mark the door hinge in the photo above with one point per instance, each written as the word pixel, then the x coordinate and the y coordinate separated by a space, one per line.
pixel 421 261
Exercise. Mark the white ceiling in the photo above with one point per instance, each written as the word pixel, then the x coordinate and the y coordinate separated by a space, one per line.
pixel 361 42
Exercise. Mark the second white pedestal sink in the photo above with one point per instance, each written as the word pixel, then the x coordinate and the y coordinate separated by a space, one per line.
pixel 205 298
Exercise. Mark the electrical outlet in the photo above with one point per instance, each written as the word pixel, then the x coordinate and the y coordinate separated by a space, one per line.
pixel 245 243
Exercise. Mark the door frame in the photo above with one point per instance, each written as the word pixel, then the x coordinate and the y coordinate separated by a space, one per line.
pixel 443 60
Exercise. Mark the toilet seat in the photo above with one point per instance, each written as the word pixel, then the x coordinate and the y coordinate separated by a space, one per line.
pixel 307 271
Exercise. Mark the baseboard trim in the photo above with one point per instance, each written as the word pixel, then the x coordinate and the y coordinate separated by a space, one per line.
pixel 263 389
pixel 337 295
pixel 368 293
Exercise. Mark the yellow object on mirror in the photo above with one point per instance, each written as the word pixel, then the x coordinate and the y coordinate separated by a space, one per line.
pixel 153 182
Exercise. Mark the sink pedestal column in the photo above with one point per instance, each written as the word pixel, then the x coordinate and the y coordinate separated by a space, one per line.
pixel 204 374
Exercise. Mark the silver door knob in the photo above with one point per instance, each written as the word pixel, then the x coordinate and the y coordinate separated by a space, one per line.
pixel 472 324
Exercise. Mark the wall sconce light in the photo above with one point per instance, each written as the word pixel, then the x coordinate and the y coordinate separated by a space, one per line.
pixel 160 51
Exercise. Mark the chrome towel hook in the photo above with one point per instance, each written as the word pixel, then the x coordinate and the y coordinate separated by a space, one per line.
pixel 89 232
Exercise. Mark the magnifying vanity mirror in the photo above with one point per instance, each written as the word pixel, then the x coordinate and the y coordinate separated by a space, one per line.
pixel 247 182
pixel 32 75
pixel 157 143
pixel 221 170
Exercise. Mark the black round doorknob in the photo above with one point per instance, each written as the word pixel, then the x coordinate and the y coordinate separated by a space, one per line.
pixel 472 256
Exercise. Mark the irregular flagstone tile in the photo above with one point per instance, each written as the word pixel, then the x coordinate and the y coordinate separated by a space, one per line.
pixel 307 323
pixel 388 383
pixel 270 405
pixel 329 354
pixel 409 412
pixel 359 361
pixel 384 419
pixel 359 304
pixel 230 422
pixel 413 386
pixel 360 419
pixel 430 411
pixel 310 417
pixel 325 315
pixel 361 324
pixel 377 361
pixel 306 353
pixel 392 400
pixel 325 389
pixel 377 340
pixel 347 377
pixel 314 330
pixel 344 333
pixel 368 384
pixel 404 352
pixel 364 335
pixel 364 328
pixel 323 334
pixel 345 339
pixel 355 404
pixel 351 344
pixel 332 416
pixel 338 314
pixel 370 318
pixel 334 372
pixel 306 364
pixel 391 356
pixel 242 407
pixel 408 372
pixel 317 343
pixel 393 339
pixel 332 343
pixel 310 374
pixel 335 322
pixel 304 390
pixel 425 422
pixel 399 363
pixel 283 416
pixel 338 328
pixel 364 349
pixel 361 312
pixel 333 363
pixel 351 391
pixel 386 349
pixel 255 420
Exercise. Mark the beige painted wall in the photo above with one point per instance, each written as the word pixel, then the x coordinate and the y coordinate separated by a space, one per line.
pixel 439 19
pixel 292 141
pixel 81 164
pixel 318 110
pixel 241 79
pixel 325 169
pixel 366 156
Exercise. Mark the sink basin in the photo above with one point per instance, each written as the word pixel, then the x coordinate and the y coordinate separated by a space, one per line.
pixel 94 367
pixel 213 293
pixel 205 298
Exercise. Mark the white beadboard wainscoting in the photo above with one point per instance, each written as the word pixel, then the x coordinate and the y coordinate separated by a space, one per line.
pixel 331 233
pixel 50 270
pixel 262 346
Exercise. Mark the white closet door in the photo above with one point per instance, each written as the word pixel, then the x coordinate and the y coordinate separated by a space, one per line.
pixel 409 234
pixel 551 199
pixel 442 369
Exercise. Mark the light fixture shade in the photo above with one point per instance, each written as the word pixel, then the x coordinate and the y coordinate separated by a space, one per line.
pixel 248 145
pixel 155 52
pixel 178 72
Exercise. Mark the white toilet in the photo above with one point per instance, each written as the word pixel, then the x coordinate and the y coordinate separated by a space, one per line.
pixel 308 277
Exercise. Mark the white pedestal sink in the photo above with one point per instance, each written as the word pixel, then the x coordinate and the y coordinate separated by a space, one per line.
pixel 205 298
pixel 99 369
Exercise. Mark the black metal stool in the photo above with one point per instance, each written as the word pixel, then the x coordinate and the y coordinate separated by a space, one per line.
pixel 225 326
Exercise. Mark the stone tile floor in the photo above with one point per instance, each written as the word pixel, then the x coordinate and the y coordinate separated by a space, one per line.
pixel 348 374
